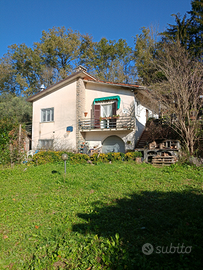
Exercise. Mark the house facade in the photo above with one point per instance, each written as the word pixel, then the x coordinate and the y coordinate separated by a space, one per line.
pixel 81 112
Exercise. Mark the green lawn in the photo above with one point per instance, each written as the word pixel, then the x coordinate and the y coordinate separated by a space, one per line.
pixel 100 216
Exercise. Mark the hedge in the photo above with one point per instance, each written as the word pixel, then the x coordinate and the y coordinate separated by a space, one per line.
pixel 44 157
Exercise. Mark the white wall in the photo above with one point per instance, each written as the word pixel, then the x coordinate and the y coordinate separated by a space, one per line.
pixel 93 90
pixel 64 103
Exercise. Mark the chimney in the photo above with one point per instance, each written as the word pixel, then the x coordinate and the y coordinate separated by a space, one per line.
pixel 42 87
pixel 80 68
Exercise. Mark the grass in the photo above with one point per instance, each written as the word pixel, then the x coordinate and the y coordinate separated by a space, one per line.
pixel 99 217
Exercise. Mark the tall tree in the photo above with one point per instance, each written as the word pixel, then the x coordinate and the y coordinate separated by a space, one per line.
pixel 59 50
pixel 24 69
pixel 180 32
pixel 188 31
pixel 145 51
pixel 107 59
pixel 197 26
pixel 7 75
pixel 87 52
pixel 26 66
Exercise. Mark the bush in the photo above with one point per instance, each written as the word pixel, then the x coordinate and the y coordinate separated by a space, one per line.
pixel 11 147
pixel 79 158
pixel 132 155
pixel 44 157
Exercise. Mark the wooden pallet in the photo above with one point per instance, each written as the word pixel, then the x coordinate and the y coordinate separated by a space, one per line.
pixel 163 160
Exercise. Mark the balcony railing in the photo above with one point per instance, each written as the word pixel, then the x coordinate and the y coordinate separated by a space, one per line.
pixel 107 123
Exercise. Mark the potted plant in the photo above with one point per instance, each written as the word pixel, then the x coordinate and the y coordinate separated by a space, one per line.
pixel 116 116
pixel 102 118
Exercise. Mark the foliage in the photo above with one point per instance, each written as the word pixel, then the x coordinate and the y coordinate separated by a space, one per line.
pixel 179 95
pixel 5 127
pixel 79 158
pixel 24 69
pixel 178 32
pixel 160 129
pixel 59 48
pixel 44 157
pixel 188 31
pixel 99 217
pixel 15 108
pixel 145 52
pixel 11 142
pixel 132 155
pixel 111 60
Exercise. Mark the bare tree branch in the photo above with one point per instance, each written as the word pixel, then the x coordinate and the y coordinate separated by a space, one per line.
pixel 179 95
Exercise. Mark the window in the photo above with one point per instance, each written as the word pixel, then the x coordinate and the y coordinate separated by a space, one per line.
pixel 47 115
pixel 45 144
pixel 104 110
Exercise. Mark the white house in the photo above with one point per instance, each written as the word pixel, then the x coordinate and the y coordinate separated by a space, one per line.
pixel 84 111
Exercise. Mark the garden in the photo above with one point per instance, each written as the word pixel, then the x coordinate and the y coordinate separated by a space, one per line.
pixel 101 216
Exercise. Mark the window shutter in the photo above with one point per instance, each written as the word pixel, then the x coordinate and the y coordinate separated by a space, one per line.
pixel 114 108
pixel 97 116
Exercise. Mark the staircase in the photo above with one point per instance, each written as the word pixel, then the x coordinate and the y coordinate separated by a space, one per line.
pixel 143 139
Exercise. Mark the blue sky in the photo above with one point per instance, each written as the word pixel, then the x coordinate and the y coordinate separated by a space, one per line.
pixel 22 21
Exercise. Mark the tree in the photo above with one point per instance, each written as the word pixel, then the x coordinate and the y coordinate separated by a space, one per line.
pixel 26 68
pixel 87 52
pixel 145 51
pixel 7 75
pixel 15 108
pixel 180 94
pixel 179 32
pixel 59 48
pixel 188 31
pixel 197 26
pixel 107 59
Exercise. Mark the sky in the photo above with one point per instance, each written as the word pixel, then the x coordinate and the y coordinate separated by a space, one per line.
pixel 22 21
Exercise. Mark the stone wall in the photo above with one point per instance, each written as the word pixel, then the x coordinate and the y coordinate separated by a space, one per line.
pixel 80 108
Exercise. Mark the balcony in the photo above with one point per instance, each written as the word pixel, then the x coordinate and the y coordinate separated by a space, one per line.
pixel 107 123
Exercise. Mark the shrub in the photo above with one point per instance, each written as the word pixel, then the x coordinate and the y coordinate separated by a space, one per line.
pixel 44 157
pixel 11 143
pixel 132 155
pixel 79 158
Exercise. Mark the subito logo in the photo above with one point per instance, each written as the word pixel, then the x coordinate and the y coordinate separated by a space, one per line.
pixel 147 249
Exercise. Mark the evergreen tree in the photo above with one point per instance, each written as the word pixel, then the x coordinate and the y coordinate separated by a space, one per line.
pixel 144 54
pixel 180 32
pixel 197 26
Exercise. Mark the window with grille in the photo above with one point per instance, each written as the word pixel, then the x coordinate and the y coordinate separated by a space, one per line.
pixel 45 144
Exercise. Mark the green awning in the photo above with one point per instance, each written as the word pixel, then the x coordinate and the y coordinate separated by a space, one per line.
pixel 109 98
